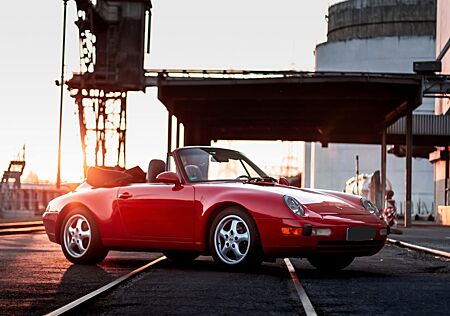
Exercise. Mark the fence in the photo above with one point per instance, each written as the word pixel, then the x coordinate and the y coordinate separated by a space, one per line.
pixel 28 201
pixel 420 210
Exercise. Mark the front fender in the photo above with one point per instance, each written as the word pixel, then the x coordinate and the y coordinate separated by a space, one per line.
pixel 209 201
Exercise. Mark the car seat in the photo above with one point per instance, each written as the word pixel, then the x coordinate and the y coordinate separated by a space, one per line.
pixel 155 167
pixel 193 172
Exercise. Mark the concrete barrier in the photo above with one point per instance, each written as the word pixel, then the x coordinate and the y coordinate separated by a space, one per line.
pixel 443 215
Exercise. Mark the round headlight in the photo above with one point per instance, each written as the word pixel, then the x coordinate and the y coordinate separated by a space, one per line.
pixel 294 205
pixel 369 206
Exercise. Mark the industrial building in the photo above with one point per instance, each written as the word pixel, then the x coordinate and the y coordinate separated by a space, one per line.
pixel 376 36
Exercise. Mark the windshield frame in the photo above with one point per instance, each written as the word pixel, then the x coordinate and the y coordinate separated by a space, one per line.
pixel 181 170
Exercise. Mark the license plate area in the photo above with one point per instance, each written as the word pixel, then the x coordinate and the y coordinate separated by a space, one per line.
pixel 360 233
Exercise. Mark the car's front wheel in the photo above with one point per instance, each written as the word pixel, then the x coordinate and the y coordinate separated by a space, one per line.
pixel 80 238
pixel 234 240
pixel 330 262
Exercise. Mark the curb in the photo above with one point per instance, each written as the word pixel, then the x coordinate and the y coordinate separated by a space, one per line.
pixel 435 252
pixel 21 231
pixel 20 224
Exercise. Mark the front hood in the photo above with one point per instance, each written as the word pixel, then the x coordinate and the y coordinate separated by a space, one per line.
pixel 319 202
pixel 323 203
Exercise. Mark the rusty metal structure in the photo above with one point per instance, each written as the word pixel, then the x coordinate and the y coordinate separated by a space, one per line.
pixel 14 172
pixel 112 38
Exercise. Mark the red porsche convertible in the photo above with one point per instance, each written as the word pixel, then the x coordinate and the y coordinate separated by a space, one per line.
pixel 211 201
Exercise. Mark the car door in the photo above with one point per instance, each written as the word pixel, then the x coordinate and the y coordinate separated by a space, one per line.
pixel 159 212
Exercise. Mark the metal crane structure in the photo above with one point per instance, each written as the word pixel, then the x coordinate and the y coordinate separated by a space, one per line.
pixel 112 37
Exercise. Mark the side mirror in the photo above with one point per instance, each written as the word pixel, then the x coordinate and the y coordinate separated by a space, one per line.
pixel 283 181
pixel 168 177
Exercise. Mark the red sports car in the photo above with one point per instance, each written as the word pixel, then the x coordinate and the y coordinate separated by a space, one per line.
pixel 211 201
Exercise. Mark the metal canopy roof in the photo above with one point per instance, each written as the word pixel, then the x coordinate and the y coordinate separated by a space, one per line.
pixel 327 107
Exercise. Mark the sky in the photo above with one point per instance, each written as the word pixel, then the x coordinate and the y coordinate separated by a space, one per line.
pixel 196 34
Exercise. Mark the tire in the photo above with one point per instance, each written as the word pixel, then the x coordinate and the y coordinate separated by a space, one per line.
pixel 330 262
pixel 234 239
pixel 80 238
pixel 181 257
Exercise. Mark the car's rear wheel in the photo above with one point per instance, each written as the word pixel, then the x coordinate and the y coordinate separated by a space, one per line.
pixel 234 240
pixel 80 238
pixel 330 262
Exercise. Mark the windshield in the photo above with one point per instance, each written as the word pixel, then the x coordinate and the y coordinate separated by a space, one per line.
pixel 215 164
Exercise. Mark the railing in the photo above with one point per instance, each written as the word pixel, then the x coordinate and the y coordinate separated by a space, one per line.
pixel 152 76
pixel 420 210
pixel 27 202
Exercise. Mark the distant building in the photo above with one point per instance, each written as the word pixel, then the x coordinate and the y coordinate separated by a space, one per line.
pixel 376 36
pixel 442 37
pixel 21 201
pixel 440 158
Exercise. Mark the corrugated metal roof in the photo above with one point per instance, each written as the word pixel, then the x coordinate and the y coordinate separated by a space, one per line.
pixel 430 125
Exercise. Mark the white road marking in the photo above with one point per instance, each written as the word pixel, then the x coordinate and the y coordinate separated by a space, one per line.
pixel 309 308
pixel 416 247
pixel 103 289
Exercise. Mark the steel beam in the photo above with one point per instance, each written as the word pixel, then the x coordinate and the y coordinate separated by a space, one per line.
pixel 61 97
pixel 383 166
pixel 408 182
pixel 178 134
pixel 436 86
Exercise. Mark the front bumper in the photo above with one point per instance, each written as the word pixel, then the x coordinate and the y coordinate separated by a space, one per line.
pixel 49 219
pixel 277 244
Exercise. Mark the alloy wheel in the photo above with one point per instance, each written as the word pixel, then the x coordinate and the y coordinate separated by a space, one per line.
pixel 232 239
pixel 77 235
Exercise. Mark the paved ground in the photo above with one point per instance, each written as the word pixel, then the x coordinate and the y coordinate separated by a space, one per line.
pixel 396 281
pixel 35 278
pixel 426 235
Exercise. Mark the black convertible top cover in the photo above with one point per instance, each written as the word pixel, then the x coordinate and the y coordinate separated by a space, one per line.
pixel 107 178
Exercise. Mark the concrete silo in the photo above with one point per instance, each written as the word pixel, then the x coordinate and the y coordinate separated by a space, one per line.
pixel 376 36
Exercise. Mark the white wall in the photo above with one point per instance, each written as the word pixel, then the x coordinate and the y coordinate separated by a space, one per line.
pixel 384 54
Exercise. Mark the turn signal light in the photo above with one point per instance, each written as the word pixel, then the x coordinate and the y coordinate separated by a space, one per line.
pixel 296 231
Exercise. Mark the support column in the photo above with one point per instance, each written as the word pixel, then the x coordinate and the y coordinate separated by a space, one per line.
pixel 447 175
pixel 383 165
pixel 169 133
pixel 409 143
pixel 178 134
pixel 306 178
pixel 312 181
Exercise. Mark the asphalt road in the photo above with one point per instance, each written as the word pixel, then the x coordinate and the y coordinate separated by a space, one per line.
pixel 396 281
pixel 35 279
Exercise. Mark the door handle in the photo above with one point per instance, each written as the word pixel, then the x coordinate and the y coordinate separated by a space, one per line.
pixel 125 195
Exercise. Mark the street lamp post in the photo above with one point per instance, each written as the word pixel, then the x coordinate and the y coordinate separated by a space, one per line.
pixel 61 84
